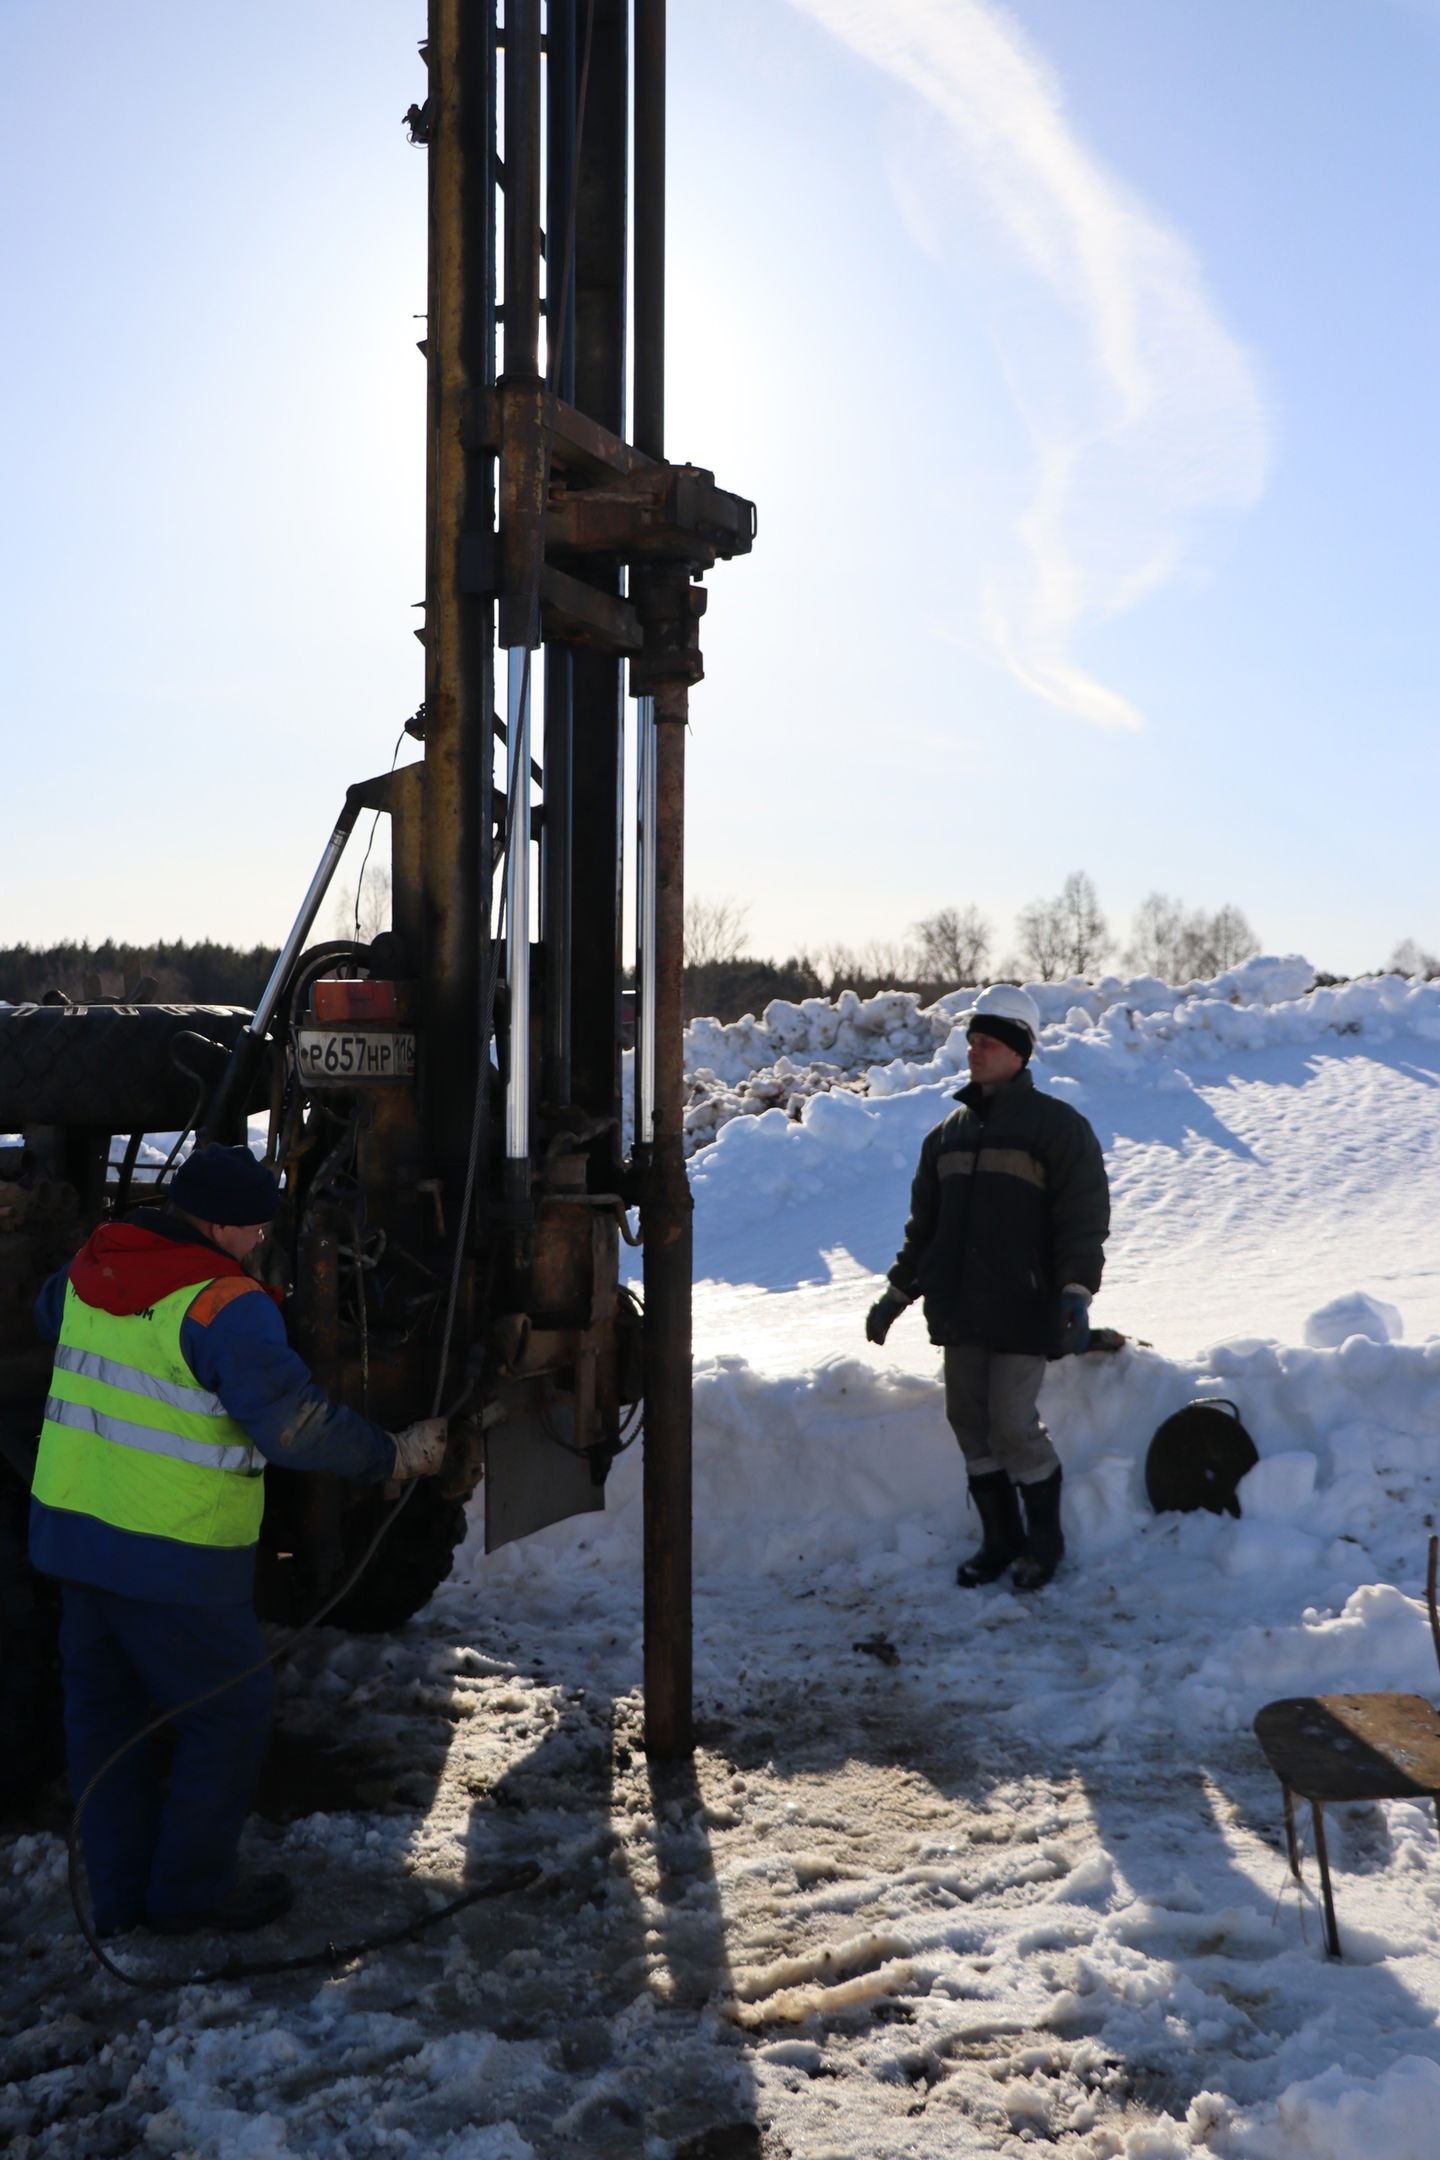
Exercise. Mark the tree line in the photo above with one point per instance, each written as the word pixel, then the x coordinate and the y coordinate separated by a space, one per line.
pixel 1055 938
pixel 172 972
pixel 1065 935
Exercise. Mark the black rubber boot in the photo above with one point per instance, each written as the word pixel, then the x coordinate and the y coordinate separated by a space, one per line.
pixel 253 1903
pixel 1044 1539
pixel 994 1496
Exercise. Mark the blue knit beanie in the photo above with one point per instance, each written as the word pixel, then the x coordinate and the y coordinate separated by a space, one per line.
pixel 225 1185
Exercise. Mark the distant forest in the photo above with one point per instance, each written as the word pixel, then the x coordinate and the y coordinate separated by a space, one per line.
pixel 171 973
pixel 177 973
pixel 945 950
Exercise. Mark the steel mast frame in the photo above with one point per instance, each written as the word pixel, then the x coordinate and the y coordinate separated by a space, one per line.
pixel 547 529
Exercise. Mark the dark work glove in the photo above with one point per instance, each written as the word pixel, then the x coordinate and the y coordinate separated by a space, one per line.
pixel 1074 1320
pixel 883 1314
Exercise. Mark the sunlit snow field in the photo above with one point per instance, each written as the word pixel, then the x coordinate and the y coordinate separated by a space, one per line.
pixel 953 1873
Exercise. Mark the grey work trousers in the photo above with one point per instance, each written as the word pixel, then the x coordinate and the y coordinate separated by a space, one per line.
pixel 991 1399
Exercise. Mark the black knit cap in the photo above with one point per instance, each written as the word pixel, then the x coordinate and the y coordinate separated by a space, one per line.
pixel 225 1185
pixel 1010 1032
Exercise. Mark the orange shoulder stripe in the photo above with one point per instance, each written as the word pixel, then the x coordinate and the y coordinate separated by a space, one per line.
pixel 217 1295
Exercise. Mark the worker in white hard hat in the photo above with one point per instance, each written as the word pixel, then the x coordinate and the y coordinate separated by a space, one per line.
pixel 1005 1244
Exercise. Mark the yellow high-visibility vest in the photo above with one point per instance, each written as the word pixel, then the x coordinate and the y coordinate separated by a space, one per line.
pixel 132 1439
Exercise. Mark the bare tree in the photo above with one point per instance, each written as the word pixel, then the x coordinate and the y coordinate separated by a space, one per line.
pixel 1230 937
pixel 1087 934
pixel 714 930
pixel 1155 936
pixel 954 945
pixel 1067 935
pixel 889 965
pixel 1182 944
pixel 365 915
pixel 1194 957
pixel 868 969
pixel 1040 928
pixel 1410 958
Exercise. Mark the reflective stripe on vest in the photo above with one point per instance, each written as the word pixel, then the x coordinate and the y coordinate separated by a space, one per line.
pixel 132 1439
pixel 84 1417
pixel 136 1380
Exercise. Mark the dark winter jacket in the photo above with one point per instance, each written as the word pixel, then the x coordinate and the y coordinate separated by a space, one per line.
pixel 1009 1205
pixel 237 1349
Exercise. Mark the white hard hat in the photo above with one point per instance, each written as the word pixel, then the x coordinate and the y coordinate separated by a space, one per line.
pixel 1003 1001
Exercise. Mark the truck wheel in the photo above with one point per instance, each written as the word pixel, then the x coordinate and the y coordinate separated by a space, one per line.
pixel 415 1557
pixel 113 1066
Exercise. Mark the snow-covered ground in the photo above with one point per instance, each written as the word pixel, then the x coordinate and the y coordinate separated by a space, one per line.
pixel 953 1872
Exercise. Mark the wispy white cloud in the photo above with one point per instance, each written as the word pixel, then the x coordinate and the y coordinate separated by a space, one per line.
pixel 1142 408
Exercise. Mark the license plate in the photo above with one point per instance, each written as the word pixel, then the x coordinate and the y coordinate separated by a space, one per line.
pixel 339 1057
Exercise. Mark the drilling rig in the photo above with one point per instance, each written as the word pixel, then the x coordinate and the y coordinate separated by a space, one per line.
pixel 444 1100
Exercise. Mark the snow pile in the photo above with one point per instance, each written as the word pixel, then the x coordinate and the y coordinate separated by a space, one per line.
pixel 1357 1314
pixel 1152 1035
pixel 749 1066
pixel 852 1465
pixel 1337 2116
pixel 853 1033
pixel 787 1085
pixel 1267 979
pixel 1253 1182
pixel 850 1034
pixel 1140 1030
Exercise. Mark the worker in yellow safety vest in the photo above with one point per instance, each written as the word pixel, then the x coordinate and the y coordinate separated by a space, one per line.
pixel 174 1384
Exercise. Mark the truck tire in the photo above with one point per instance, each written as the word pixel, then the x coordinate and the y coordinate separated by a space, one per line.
pixel 414 1558
pixel 32 1742
pixel 113 1066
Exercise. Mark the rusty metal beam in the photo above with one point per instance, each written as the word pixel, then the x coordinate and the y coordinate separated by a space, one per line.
pixel 581 445
pixel 650 227
pixel 671 513
pixel 583 615
pixel 666 1207
pixel 453 907
pixel 591 435
pixel 522 188
pixel 667 1215
pixel 557 825
pixel 578 442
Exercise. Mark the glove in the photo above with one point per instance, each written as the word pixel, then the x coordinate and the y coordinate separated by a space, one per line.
pixel 883 1314
pixel 420 1448
pixel 1074 1320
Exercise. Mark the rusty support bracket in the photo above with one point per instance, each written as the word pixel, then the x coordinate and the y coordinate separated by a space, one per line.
pixel 670 607
pixel 379 793
pixel 626 508
pixel 665 513
pixel 578 444
pixel 580 614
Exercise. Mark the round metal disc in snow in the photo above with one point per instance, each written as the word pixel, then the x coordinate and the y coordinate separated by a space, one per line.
pixel 1197 1458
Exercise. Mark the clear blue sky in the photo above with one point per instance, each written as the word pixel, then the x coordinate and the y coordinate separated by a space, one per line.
pixel 1080 356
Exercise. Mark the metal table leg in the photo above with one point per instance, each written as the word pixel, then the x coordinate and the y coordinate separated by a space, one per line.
pixel 1332 1933
pixel 1291 1843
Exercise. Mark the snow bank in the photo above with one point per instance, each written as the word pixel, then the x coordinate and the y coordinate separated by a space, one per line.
pixel 1357 1314
pixel 1137 1029
pixel 1338 2116
pixel 851 1465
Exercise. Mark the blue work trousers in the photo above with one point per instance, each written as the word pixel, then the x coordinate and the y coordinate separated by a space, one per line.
pixel 161 1843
